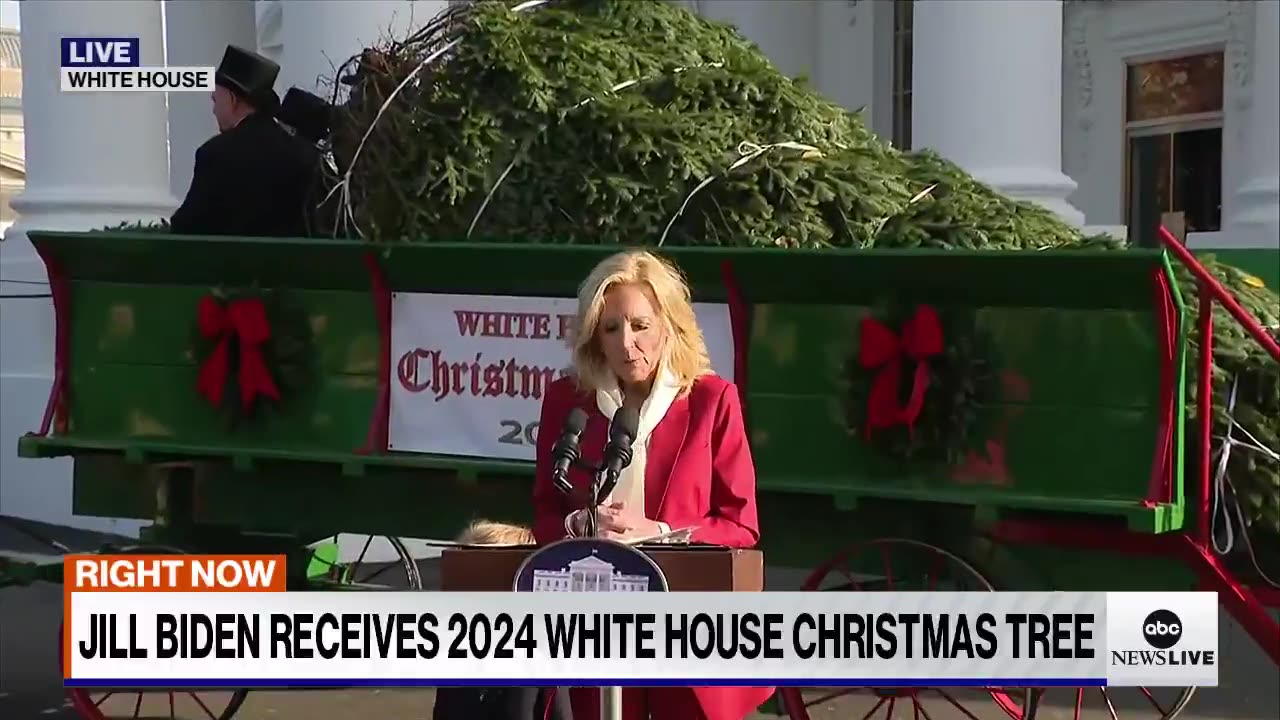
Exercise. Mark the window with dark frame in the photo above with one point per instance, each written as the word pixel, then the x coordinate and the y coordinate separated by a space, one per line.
pixel 902 74
pixel 1173 144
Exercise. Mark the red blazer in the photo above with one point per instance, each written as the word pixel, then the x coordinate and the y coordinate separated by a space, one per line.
pixel 699 469
pixel 699 473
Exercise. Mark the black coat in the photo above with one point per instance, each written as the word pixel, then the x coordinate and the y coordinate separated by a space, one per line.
pixel 488 703
pixel 251 180
pixel 323 202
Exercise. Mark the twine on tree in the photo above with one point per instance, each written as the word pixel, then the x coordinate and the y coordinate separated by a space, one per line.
pixel 1222 483
pixel 747 152
pixel 524 146
pixel 348 215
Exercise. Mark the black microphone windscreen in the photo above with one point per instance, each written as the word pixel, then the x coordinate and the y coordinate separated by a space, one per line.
pixel 576 422
pixel 626 422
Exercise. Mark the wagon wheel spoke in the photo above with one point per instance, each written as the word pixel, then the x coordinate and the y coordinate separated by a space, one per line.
pixel 1159 708
pixel 873 710
pixel 350 570
pixel 955 703
pixel 1107 699
pixel 364 550
pixel 92 705
pixel 349 573
pixel 203 707
pixel 832 696
pixel 896 565
pixel 372 575
pixel 1152 699
pixel 143 705
pixel 888 565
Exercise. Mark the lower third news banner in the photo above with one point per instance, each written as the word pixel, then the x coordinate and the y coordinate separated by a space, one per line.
pixel 175 621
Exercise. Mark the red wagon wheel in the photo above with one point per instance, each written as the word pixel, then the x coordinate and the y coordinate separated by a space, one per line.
pixel 1067 703
pixel 152 703
pixel 1131 703
pixel 891 564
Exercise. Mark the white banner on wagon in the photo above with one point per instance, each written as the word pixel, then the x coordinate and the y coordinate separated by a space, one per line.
pixel 468 372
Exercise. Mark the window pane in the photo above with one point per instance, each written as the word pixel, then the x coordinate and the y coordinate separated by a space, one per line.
pixel 1197 178
pixel 1180 86
pixel 1148 187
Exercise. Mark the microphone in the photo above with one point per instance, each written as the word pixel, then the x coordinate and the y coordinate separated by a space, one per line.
pixel 617 454
pixel 565 452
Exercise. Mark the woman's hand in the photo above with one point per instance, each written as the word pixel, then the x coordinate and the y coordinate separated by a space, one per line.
pixel 620 522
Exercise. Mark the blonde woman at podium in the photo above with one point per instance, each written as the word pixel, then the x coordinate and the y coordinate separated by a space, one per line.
pixel 637 345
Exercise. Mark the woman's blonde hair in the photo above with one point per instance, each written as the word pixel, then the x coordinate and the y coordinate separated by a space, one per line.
pixel 685 352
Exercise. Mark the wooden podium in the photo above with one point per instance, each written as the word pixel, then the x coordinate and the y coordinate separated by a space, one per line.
pixel 688 568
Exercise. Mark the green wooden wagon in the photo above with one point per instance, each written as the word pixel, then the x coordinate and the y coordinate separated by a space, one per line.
pixel 1050 450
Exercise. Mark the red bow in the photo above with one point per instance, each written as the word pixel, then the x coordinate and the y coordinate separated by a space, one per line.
pixel 246 320
pixel 921 339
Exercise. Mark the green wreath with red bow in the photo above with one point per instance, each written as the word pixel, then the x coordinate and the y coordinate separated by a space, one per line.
pixel 254 352
pixel 919 382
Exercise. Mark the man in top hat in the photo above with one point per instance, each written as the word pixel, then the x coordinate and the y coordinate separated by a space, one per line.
pixel 252 178
pixel 310 118
pixel 308 115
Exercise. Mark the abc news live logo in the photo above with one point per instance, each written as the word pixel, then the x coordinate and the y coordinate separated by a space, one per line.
pixel 1162 629
pixel 97 64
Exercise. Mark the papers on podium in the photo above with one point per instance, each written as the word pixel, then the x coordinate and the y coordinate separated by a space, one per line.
pixel 675 537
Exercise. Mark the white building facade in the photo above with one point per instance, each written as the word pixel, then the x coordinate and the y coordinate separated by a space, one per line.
pixel 1115 114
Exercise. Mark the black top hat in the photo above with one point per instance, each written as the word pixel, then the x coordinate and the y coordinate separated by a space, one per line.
pixel 250 76
pixel 306 113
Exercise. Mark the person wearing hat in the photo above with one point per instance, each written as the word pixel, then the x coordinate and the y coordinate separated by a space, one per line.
pixel 309 118
pixel 252 178
pixel 308 115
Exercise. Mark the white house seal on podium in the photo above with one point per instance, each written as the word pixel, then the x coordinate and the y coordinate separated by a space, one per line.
pixel 589 565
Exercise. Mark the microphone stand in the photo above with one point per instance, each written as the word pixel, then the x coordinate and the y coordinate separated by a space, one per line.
pixel 610 697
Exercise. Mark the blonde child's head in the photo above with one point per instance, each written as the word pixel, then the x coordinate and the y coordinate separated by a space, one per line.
pixel 484 532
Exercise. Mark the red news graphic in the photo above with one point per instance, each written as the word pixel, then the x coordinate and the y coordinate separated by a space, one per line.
pixel 165 573
pixel 174 573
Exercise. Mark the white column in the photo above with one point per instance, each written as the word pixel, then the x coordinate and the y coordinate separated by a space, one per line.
pixel 269 17
pixel 987 94
pixel 199 33
pixel 93 159
pixel 1257 216
pixel 320 36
